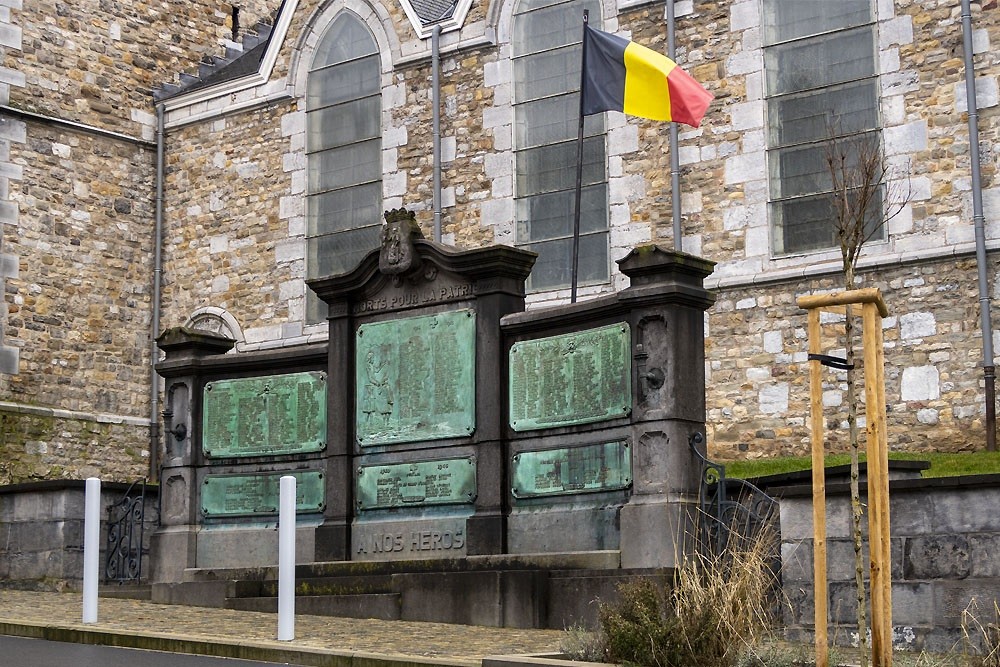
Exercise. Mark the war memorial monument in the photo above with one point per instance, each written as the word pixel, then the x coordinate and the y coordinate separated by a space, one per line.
pixel 457 458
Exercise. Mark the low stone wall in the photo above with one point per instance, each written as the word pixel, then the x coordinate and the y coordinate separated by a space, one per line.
pixel 945 540
pixel 42 528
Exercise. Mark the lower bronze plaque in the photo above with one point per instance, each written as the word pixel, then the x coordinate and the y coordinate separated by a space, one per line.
pixel 258 416
pixel 259 495
pixel 584 469
pixel 575 378
pixel 443 482
pixel 415 378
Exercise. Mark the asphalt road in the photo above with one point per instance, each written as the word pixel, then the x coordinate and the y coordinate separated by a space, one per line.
pixel 21 652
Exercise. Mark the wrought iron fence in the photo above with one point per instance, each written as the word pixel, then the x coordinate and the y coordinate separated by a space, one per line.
pixel 733 511
pixel 123 549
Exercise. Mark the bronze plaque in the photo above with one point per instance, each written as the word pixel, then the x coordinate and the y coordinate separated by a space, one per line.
pixel 263 416
pixel 259 495
pixel 575 378
pixel 415 378
pixel 584 469
pixel 442 482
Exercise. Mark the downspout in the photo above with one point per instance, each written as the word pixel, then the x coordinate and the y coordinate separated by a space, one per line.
pixel 154 379
pixel 675 160
pixel 989 371
pixel 436 126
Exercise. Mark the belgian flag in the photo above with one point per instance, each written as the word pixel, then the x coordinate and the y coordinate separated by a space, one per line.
pixel 619 75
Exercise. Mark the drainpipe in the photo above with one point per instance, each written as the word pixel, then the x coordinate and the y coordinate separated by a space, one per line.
pixel 436 126
pixel 154 379
pixel 989 371
pixel 675 160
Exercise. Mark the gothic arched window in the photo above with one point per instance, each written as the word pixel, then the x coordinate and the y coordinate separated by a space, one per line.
pixel 546 49
pixel 344 119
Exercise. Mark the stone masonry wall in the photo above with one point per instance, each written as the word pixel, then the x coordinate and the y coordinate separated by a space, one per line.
pixel 77 207
pixel 230 242
pixel 756 346
pixel 79 309
pixel 944 542
pixel 43 525
pixel 236 185
pixel 96 61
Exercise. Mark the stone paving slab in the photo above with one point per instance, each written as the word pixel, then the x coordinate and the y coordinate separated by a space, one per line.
pixel 319 640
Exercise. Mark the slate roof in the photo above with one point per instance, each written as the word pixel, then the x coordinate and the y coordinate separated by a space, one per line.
pixel 240 62
pixel 214 70
pixel 433 11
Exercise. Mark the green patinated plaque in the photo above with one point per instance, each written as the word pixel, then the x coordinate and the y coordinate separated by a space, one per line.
pixel 259 495
pixel 415 378
pixel 575 378
pixel 585 469
pixel 443 482
pixel 261 416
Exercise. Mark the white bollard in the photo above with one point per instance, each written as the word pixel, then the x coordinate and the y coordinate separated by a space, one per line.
pixel 286 560
pixel 91 548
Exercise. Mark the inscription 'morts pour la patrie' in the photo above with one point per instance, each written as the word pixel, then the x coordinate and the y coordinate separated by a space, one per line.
pixel 575 378
pixel 269 415
pixel 441 482
pixel 415 378
pixel 259 495
pixel 583 469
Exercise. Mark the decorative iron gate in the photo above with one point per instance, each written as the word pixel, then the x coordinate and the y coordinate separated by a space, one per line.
pixel 125 527
pixel 733 511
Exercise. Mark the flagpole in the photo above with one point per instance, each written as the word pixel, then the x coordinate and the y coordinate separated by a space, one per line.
pixel 579 168
pixel 675 163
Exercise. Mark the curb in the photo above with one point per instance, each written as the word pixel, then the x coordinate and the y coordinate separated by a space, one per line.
pixel 264 651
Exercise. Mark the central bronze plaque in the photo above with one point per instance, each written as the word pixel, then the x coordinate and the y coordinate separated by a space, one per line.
pixel 415 378
pixel 270 415
pixel 585 469
pixel 442 482
pixel 575 378
pixel 259 495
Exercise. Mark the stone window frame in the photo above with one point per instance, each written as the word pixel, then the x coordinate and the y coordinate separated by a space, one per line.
pixel 622 141
pixel 903 135
pixel 381 25
pixel 815 39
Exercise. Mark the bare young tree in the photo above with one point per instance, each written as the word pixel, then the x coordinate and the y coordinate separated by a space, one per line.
pixel 867 193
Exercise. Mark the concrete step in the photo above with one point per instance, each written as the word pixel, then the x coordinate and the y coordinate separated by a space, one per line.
pixel 385 606
pixel 343 585
pixel 577 560
pixel 128 591
pixel 204 593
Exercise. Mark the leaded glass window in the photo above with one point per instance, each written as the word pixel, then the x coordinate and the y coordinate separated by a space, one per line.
pixel 344 126
pixel 820 63
pixel 546 43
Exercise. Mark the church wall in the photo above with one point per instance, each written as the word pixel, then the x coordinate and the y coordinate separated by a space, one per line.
pixel 235 225
pixel 77 208
pixel 78 310
pixel 756 395
pixel 235 210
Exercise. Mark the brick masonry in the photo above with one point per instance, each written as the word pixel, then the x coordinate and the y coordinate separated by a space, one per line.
pixel 236 180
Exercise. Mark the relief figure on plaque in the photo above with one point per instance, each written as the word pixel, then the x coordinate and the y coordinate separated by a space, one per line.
pixel 378 398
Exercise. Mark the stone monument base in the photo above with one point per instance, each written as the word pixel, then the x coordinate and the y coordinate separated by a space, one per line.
pixel 551 590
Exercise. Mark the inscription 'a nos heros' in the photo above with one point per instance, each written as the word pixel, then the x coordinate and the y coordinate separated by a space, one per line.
pixel 416 540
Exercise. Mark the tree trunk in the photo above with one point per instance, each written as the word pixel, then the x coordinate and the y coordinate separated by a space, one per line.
pixel 856 509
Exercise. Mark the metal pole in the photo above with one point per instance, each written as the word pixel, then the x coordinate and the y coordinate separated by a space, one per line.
pixel 675 160
pixel 436 126
pixel 91 548
pixel 579 168
pixel 286 560
pixel 979 224
pixel 154 379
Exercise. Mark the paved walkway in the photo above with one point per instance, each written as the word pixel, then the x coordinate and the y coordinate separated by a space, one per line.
pixel 319 640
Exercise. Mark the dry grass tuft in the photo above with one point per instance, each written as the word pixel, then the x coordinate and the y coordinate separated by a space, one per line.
pixel 718 610
pixel 982 638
